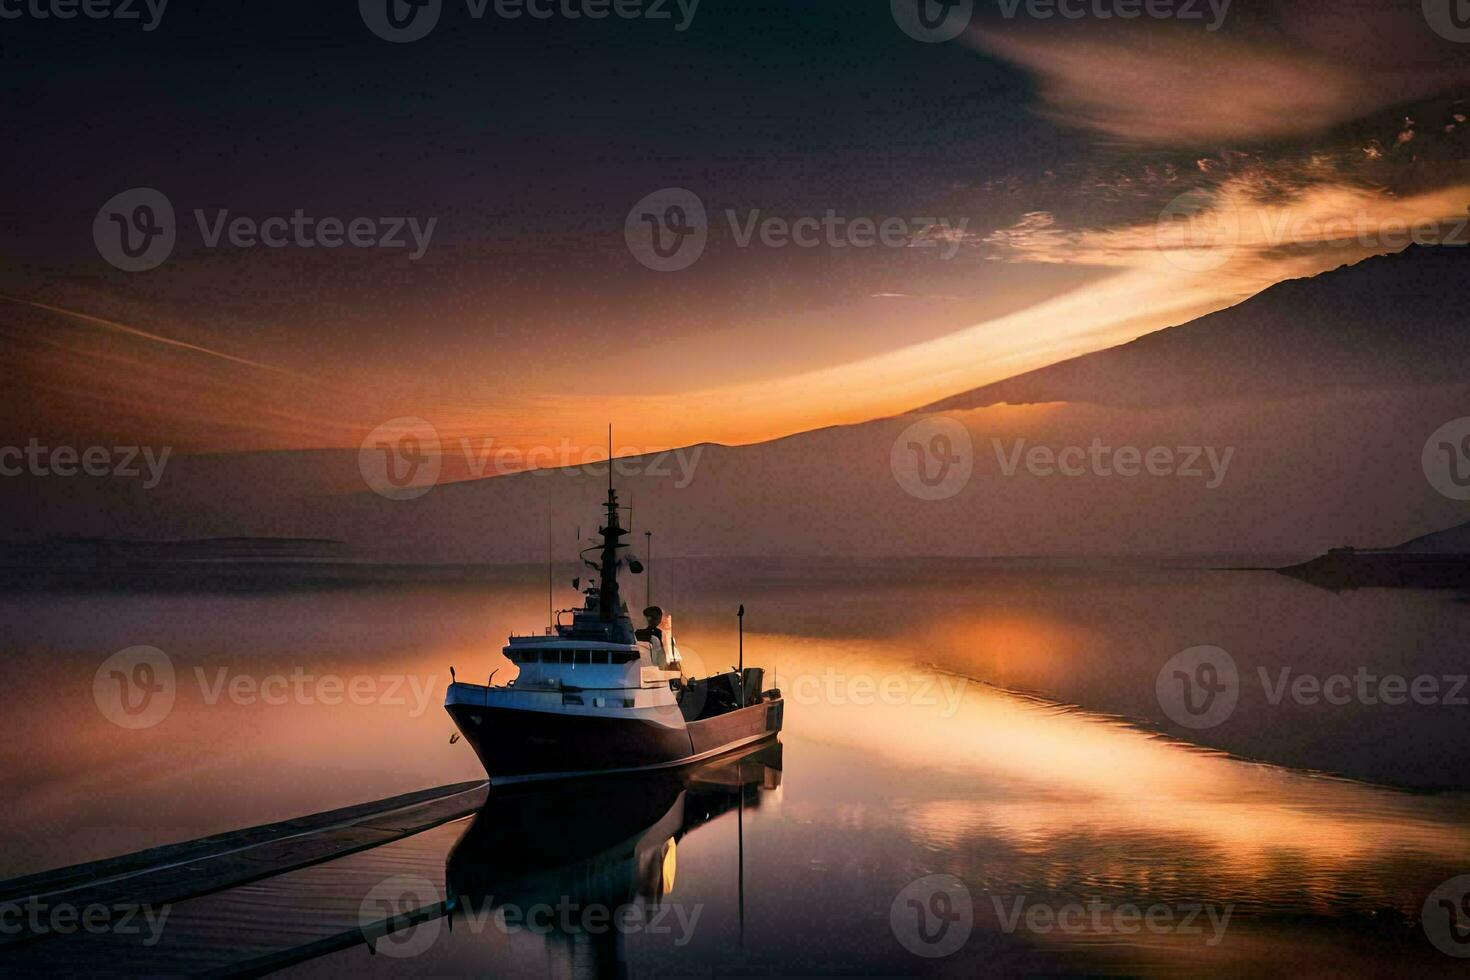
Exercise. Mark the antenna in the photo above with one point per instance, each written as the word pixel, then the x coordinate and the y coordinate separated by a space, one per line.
pixel 549 614
pixel 648 582
pixel 609 458
pixel 741 616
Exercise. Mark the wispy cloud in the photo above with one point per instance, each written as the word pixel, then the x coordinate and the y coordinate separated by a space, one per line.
pixel 1176 87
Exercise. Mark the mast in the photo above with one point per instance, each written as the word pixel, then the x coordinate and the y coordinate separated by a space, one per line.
pixel 609 601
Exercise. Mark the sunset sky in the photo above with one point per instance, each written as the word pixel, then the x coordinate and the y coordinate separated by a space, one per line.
pixel 1099 179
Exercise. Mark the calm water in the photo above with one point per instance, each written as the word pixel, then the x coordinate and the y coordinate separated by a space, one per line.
pixel 907 754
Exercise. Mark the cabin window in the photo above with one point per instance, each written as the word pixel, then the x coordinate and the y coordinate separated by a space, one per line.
pixel 567 657
pixel 581 657
pixel 571 699
pixel 529 657
pixel 624 657
pixel 599 656
pixel 627 702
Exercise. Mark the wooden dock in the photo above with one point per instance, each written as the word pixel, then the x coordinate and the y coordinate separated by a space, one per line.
pixel 202 874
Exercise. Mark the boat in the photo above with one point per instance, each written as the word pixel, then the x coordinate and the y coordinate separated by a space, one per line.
pixel 597 695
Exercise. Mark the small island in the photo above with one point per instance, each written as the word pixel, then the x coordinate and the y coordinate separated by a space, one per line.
pixel 1440 560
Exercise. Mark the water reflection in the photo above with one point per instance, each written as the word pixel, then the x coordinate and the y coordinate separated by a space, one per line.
pixel 585 865
pixel 1058 796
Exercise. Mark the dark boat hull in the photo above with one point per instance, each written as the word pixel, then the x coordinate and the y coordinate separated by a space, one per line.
pixel 516 745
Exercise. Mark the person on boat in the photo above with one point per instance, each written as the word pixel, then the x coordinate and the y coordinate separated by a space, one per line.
pixel 659 635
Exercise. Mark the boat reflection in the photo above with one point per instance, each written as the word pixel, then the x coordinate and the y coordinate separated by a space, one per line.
pixel 585 864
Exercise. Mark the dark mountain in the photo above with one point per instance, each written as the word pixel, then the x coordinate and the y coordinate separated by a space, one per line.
pixel 1287 425
pixel 1451 541
pixel 1388 321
